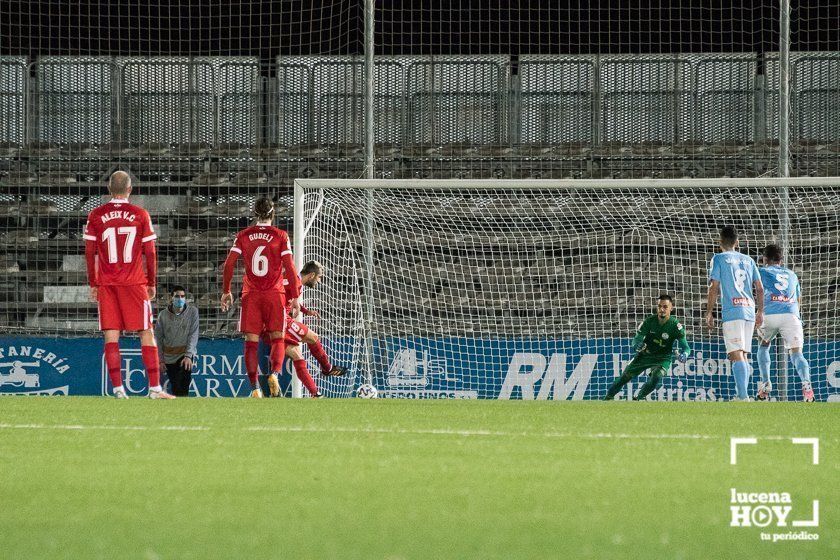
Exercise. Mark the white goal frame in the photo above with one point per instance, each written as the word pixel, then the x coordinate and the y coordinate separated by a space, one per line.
pixel 781 187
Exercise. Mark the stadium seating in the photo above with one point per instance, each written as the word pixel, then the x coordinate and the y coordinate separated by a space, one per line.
pixel 204 135
pixel 13 85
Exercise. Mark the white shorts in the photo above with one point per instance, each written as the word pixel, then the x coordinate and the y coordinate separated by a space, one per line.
pixel 737 335
pixel 786 324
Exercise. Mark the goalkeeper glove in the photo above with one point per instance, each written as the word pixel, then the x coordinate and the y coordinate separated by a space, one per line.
pixel 682 357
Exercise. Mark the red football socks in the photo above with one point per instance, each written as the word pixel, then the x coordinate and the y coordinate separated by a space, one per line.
pixel 278 354
pixel 112 360
pixel 150 360
pixel 320 356
pixel 303 374
pixel 252 362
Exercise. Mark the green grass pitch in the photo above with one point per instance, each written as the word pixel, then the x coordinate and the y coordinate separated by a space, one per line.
pixel 238 478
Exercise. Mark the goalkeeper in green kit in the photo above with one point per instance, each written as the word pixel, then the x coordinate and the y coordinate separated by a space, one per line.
pixel 654 346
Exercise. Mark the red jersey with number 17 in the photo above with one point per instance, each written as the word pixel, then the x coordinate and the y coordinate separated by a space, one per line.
pixel 119 231
pixel 265 250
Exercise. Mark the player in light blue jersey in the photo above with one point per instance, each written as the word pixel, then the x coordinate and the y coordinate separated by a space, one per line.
pixel 782 298
pixel 733 277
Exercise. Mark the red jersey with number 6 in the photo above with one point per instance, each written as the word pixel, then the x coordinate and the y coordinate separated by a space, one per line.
pixel 268 259
pixel 117 235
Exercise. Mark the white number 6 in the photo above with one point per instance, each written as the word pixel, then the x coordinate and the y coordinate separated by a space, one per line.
pixel 259 262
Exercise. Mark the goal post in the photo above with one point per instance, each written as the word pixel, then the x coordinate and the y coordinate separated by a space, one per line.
pixel 533 289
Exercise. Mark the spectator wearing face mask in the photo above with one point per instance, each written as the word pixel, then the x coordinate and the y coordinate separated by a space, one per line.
pixel 176 332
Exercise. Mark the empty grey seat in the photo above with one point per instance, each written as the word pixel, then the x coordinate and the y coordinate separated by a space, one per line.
pixel 75 100
pixel 645 99
pixel 198 207
pixel 13 85
pixel 9 264
pixel 212 179
pixel 19 237
pixel 235 208
pixel 557 99
pixel 196 267
pixel 215 238
pixel 166 267
pixel 723 86
pixel 73 263
pixel 192 149
pixel 817 96
pixel 239 99
pixel 168 100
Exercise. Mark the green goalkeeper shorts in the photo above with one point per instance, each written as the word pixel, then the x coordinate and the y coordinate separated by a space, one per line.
pixel 641 363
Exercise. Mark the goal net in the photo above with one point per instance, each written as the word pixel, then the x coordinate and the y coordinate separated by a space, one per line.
pixel 534 289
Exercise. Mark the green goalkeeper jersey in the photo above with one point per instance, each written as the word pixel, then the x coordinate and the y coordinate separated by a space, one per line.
pixel 659 339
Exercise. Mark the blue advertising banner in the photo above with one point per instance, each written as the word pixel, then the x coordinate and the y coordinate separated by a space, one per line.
pixel 470 368
pixel 412 367
pixel 76 366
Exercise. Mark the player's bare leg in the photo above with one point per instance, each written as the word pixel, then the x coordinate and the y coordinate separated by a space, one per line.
pixel 317 350
pixel 149 353
pixel 252 363
pixel 302 370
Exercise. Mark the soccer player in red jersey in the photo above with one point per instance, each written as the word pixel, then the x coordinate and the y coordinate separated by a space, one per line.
pixel 118 235
pixel 268 261
pixel 297 333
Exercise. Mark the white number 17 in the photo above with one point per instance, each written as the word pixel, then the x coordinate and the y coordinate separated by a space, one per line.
pixel 110 235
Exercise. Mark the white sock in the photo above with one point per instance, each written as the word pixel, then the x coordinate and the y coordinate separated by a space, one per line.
pixel 155 389
pixel 120 389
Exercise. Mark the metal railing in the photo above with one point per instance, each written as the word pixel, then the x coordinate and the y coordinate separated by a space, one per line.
pixel 438 100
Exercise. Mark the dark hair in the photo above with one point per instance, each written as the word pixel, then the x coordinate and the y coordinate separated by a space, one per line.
pixel 728 236
pixel 177 288
pixel 312 266
pixel 264 208
pixel 666 297
pixel 772 253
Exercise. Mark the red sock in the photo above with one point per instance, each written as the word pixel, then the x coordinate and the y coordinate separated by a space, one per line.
pixel 150 360
pixel 278 354
pixel 303 374
pixel 113 361
pixel 320 356
pixel 252 362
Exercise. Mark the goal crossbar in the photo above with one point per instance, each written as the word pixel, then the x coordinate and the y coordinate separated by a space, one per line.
pixel 538 184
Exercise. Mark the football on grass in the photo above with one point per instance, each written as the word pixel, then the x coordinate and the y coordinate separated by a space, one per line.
pixel 367 391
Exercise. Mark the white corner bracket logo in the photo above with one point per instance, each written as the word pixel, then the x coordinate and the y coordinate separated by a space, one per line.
pixel 772 509
pixel 133 372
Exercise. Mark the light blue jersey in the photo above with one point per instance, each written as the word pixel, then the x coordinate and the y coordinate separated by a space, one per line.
pixel 736 273
pixel 781 290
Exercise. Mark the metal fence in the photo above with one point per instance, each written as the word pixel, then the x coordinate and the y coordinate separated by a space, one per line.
pixel 202 136
pixel 441 100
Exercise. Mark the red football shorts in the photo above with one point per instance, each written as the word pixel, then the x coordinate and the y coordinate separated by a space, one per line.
pixel 262 311
pixel 124 308
pixel 295 332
